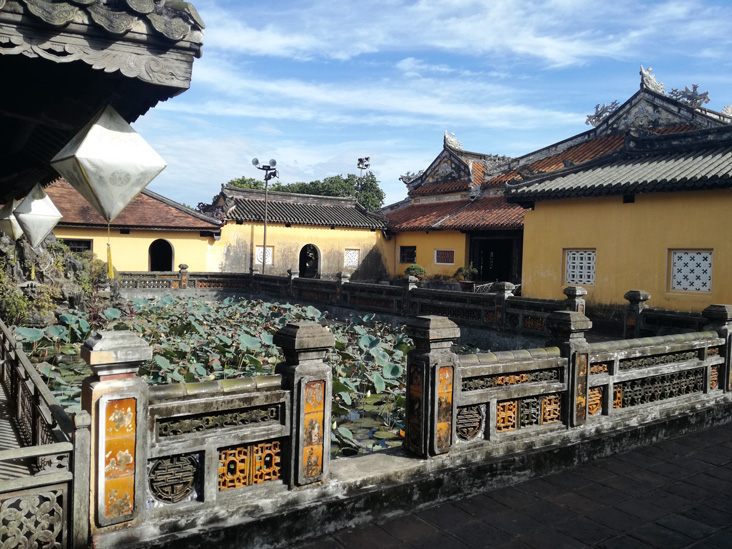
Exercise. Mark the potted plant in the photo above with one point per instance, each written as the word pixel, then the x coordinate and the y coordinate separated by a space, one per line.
pixel 416 270
pixel 466 276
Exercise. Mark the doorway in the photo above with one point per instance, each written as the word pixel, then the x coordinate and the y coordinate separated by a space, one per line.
pixel 309 262
pixel 161 256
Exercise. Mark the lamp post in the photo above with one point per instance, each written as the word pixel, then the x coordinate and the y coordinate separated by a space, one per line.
pixel 269 173
pixel 363 164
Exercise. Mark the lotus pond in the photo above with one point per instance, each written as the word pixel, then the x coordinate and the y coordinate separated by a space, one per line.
pixel 195 340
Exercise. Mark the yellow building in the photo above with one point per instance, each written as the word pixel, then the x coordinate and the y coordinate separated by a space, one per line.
pixel 312 236
pixel 455 215
pixel 647 215
pixel 152 233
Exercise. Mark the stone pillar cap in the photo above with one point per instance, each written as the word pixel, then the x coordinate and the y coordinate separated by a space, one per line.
pixel 115 352
pixel 719 313
pixel 636 296
pixel 432 327
pixel 304 336
pixel 568 321
pixel 575 291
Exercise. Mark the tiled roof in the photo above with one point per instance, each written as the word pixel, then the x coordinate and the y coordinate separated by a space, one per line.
pixel 441 188
pixel 487 212
pixel 299 209
pixel 423 217
pixel 693 161
pixel 148 210
pixel 575 155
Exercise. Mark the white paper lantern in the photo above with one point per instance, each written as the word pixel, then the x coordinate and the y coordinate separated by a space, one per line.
pixel 108 162
pixel 8 223
pixel 37 215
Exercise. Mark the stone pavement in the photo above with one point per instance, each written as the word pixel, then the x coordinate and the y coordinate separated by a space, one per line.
pixel 673 494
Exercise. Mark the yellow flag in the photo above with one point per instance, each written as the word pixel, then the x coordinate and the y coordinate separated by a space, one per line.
pixel 110 267
pixel 33 271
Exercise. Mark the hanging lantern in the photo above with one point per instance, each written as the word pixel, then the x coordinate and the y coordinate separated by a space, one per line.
pixel 108 162
pixel 8 222
pixel 37 215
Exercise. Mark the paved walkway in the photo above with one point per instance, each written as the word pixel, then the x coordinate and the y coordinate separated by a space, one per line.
pixel 9 440
pixel 674 494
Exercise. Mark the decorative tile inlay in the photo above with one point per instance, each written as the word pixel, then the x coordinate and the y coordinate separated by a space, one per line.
pixel 444 407
pixel 691 271
pixel 469 422
pixel 594 402
pixel 251 464
pixel 507 416
pixel 663 387
pixel 500 380
pixel 118 457
pixel 551 409
pixel 167 427
pixel 172 479
pixel 312 456
pixel 416 411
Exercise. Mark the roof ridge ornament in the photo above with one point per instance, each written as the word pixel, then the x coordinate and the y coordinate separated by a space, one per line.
pixel 601 113
pixel 451 142
pixel 649 82
pixel 691 97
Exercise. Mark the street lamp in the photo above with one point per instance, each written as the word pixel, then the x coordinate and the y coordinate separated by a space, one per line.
pixel 363 164
pixel 269 172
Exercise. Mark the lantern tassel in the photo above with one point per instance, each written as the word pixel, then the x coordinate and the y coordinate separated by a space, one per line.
pixel 110 267
pixel 33 271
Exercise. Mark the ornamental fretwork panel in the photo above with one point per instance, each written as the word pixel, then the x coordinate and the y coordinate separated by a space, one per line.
pixel 657 360
pixel 470 422
pixel 528 412
pixel 656 388
pixel 168 427
pixel 691 271
pixel 34 519
pixel 174 479
pixel 501 380
pixel 250 464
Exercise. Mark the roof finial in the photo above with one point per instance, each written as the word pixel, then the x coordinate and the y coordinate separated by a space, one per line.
pixel 691 97
pixel 649 82
pixel 451 142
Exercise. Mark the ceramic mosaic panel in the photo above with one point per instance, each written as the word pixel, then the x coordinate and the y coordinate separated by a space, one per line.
pixel 691 271
pixel 313 429
pixel 117 459
pixel 444 408
pixel 260 254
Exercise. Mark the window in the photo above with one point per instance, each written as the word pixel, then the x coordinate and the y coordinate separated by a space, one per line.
pixel 351 257
pixel 579 267
pixel 270 254
pixel 444 257
pixel 690 270
pixel 407 254
pixel 78 246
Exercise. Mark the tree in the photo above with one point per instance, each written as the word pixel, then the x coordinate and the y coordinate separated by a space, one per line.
pixel 365 188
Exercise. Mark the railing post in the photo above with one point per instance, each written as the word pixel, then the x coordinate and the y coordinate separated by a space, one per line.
pixel 310 382
pixel 343 278
pixel 292 274
pixel 183 273
pixel 568 330
pixel 720 320
pixel 636 303
pixel 574 301
pixel 503 290
pixel 80 468
pixel 117 401
pixel 432 379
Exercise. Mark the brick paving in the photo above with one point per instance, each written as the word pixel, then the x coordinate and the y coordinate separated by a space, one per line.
pixel 673 494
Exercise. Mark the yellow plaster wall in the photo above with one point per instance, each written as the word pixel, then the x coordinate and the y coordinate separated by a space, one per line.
pixel 632 243
pixel 234 251
pixel 130 251
pixel 427 242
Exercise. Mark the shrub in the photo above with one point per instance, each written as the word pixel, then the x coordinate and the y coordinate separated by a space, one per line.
pixel 415 270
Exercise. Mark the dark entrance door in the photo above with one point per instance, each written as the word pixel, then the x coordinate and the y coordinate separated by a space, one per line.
pixel 309 261
pixel 161 256
pixel 494 259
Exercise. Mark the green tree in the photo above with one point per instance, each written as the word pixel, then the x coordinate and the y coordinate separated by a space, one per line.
pixel 365 188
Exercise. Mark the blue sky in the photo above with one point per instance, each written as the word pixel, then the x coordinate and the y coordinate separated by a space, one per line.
pixel 318 84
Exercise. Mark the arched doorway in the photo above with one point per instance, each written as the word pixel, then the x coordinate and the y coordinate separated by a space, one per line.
pixel 161 256
pixel 309 261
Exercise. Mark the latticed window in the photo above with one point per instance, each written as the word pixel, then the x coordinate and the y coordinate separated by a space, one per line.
pixel 691 270
pixel 579 267
pixel 351 258
pixel 444 257
pixel 260 254
pixel 78 246
pixel 407 254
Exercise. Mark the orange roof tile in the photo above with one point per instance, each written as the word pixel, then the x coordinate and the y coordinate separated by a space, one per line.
pixel 488 212
pixel 578 154
pixel 422 217
pixel 147 209
pixel 441 188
